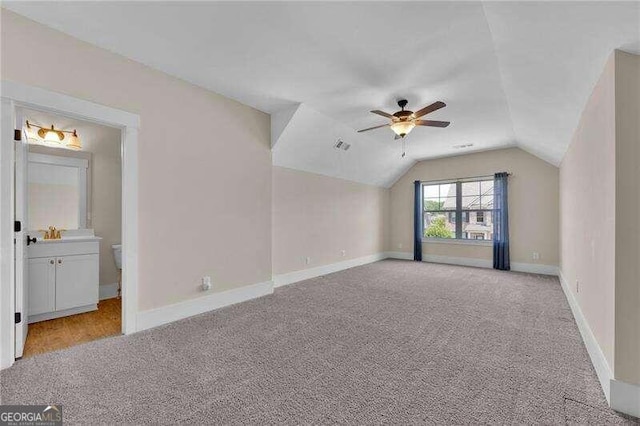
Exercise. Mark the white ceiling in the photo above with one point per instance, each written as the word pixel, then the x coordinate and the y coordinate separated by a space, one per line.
pixel 511 73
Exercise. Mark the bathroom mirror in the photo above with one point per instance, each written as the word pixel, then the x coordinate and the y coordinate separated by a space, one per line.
pixel 57 192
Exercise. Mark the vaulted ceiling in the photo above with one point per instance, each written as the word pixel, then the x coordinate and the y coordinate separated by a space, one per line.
pixel 511 73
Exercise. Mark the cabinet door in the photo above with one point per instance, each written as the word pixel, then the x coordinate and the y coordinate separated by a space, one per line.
pixel 76 281
pixel 42 285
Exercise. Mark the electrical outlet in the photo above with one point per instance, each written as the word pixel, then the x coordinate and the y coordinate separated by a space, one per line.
pixel 577 286
pixel 399 245
pixel 343 253
pixel 536 255
pixel 307 260
pixel 206 283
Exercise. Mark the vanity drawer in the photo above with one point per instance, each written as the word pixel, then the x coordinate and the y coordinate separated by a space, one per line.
pixel 62 248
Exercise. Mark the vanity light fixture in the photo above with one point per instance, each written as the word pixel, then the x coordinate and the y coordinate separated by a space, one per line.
pixel 74 141
pixel 56 136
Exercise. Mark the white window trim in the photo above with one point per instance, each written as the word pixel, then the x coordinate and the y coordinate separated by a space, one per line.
pixel 464 241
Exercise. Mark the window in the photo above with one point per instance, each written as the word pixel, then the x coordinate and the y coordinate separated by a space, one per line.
pixel 440 210
pixel 458 210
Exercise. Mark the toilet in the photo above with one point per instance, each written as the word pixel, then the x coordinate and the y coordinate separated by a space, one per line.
pixel 117 256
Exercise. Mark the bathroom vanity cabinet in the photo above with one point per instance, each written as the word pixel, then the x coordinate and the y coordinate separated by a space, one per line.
pixel 62 277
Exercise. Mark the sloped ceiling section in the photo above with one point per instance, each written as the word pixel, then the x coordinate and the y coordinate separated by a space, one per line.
pixel 550 57
pixel 308 141
pixel 511 73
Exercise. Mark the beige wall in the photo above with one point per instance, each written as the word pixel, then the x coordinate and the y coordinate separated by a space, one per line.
pixel 533 204
pixel 106 198
pixel 600 207
pixel 204 192
pixel 318 216
pixel 587 212
pixel 627 232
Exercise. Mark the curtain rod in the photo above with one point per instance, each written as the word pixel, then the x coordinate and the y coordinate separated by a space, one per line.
pixel 463 178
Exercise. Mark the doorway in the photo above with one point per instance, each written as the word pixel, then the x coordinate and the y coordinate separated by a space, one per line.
pixel 68 199
pixel 14 322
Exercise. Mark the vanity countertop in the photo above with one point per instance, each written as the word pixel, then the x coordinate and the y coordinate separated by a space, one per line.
pixel 77 239
pixel 77 243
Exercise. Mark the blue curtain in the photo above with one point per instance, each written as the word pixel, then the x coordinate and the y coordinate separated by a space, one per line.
pixel 500 223
pixel 417 222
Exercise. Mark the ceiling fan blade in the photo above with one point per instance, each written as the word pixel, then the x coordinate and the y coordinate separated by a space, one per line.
pixel 426 110
pixel 382 113
pixel 374 127
pixel 432 123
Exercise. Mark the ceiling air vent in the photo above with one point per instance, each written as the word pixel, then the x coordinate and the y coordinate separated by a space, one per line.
pixel 463 146
pixel 340 144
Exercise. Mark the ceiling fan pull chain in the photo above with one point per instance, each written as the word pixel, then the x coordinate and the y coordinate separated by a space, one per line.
pixel 404 151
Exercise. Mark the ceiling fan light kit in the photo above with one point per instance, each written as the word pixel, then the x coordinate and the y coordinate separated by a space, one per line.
pixel 404 121
pixel 402 128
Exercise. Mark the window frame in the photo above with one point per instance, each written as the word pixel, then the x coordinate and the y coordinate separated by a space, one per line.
pixel 459 212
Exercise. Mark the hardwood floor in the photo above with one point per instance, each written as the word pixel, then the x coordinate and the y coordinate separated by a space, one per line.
pixel 60 333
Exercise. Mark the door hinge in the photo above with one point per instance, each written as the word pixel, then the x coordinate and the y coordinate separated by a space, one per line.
pixel 17 226
pixel 17 135
pixel 18 317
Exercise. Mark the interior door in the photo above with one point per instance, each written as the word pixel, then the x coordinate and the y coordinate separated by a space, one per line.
pixel 21 215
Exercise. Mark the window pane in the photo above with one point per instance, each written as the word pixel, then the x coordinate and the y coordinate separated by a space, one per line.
pixel 486 201
pixel 431 191
pixel 470 188
pixel 486 187
pixel 439 225
pixel 479 226
pixel 433 204
pixel 448 190
pixel 448 203
pixel 471 202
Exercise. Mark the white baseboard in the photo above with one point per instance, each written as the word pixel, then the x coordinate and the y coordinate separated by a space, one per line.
pixel 166 314
pixel 403 255
pixel 108 291
pixel 598 359
pixel 306 274
pixel 625 397
pixel 534 268
pixel 462 261
pixel 621 396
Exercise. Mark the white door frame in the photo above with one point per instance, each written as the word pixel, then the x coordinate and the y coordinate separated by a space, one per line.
pixel 15 95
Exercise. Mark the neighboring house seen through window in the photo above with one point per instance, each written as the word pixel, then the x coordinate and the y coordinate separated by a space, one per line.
pixel 458 210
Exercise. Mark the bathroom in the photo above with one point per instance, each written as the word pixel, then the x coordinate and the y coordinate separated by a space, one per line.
pixel 73 200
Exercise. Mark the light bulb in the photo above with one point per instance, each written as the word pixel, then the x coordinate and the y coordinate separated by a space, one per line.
pixel 74 141
pixel 402 128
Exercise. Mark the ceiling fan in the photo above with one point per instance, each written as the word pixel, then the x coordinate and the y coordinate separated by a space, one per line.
pixel 402 122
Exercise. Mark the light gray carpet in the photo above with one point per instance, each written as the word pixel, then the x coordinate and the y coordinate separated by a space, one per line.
pixel 392 342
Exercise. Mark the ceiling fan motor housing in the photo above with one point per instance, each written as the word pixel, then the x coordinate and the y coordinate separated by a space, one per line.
pixel 402 114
